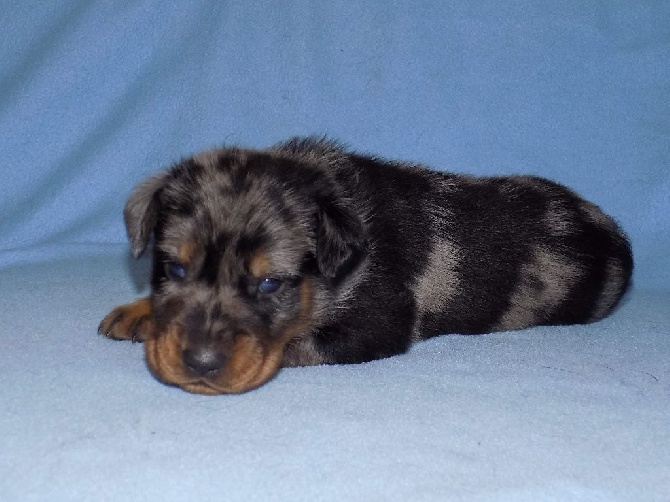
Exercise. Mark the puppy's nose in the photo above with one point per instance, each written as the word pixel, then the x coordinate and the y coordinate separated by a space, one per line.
pixel 203 360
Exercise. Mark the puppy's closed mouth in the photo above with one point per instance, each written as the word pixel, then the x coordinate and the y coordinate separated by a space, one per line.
pixel 250 364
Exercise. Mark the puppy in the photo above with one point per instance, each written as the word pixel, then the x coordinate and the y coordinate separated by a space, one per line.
pixel 306 253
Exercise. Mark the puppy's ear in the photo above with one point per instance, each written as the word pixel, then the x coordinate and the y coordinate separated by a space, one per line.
pixel 341 239
pixel 141 213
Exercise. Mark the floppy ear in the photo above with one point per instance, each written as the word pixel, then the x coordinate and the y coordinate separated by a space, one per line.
pixel 341 239
pixel 141 213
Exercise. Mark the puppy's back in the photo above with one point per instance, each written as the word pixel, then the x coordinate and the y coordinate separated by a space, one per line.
pixel 512 252
pixel 480 254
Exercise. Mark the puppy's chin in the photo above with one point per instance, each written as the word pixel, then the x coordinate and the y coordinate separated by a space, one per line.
pixel 250 364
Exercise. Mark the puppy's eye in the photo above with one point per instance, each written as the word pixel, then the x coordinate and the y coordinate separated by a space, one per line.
pixel 269 285
pixel 175 271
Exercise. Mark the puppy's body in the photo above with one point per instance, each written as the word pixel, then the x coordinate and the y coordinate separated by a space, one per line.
pixel 308 254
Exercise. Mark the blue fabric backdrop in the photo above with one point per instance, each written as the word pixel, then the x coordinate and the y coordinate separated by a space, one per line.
pixel 94 96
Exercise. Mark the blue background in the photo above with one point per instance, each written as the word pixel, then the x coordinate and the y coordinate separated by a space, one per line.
pixel 96 95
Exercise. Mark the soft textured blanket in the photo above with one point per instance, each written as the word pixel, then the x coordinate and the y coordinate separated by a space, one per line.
pixel 95 96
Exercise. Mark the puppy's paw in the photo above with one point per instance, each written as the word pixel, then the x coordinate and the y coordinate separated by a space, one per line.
pixel 132 321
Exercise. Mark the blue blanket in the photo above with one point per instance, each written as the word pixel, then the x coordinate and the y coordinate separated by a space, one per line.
pixel 94 96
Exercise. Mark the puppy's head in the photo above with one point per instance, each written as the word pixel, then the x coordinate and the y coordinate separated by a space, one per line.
pixel 249 248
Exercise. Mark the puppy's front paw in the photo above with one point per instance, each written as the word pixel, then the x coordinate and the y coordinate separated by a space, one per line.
pixel 132 321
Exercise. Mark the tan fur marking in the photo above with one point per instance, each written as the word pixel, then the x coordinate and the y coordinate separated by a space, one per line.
pixel 163 355
pixel 306 301
pixel 554 274
pixel 250 365
pixel 259 265
pixel 187 252
pixel 299 349
pixel 302 323
pixel 245 362
pixel 132 321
